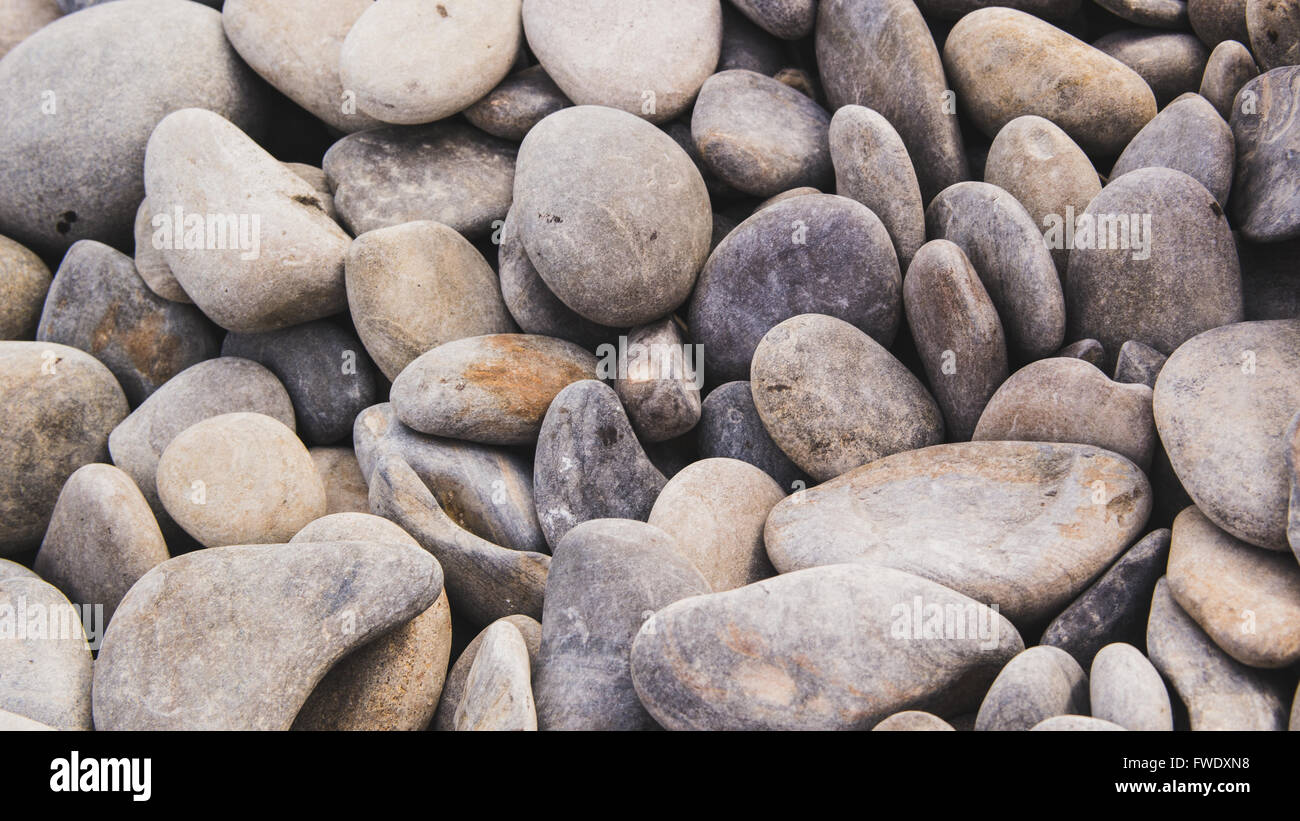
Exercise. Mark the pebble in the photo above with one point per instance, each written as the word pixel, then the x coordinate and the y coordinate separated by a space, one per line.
pixel 24 282
pixel 1178 276
pixel 452 692
pixel 608 577
pixel 286 266
pixel 415 286
pixel 1188 136
pixel 660 384
pixel 1161 14
pixel 255 655
pixel 149 261
pixel 59 405
pixel 730 428
pixel 492 389
pixel 612 212
pixel 520 102
pixel 787 19
pixel 1138 364
pixel 816 254
pixel 830 414
pixel 957 333
pixel 1086 350
pixel 1267 134
pixel 1274 30
pixel 1007 250
pixel 84 102
pixel 21 19
pixel 12 722
pixel 1004 64
pixel 1171 62
pixel 1246 599
pixel 1069 400
pixel 239 478
pixel 45 669
pixel 829 648
pixel 589 464
pixel 14 570
pixel 102 538
pixel 1248 373
pixel 1218 692
pixel 1021 525
pixel 1074 724
pixel 1039 683
pixel 99 304
pixel 498 690
pixel 913 721
pixel 1125 688
pixel 649 60
pixel 1217 20
pixel 880 54
pixel 407 63
pixel 450 173
pixel 1229 67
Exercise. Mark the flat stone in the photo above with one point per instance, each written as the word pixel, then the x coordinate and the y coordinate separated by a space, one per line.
pixel 620 248
pixel 1218 692
pixel 59 405
pixel 23 18
pixel 278 256
pixel 1274 30
pixel 1007 249
pixel 1075 724
pixel 1229 67
pixel 1126 689
pixel 492 389
pixel 102 538
pixel 84 94
pixel 957 333
pixel 1222 405
pixel 239 478
pixel 1037 684
pixel 45 663
pixel 730 428
pixel 1188 136
pixel 880 54
pixel 498 690
pixel 833 399
pixel 520 102
pixel 1004 64
pixel 913 721
pixel 657 383
pixel 99 304
pixel 608 577
pixel 1217 20
pixel 815 254
pixel 1178 275
pixel 1114 608
pixel 415 286
pixel 648 60
pixel 452 692
pixel 1025 526
pixel 1171 62
pixel 820 649
pixel 589 464
pixel 24 281
pixel 1267 134
pixel 447 172
pixel 149 261
pixel 209 640
pixel 1138 364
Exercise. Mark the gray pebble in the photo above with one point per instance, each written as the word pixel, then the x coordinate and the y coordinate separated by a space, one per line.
pixel 45 676
pixel 731 428
pixel 1274 30
pixel 1267 133
pixel 1124 688
pixel 1171 63
pixel 498 690
pixel 454 689
pixel 1138 364
pixel 1188 136
pixel 1040 683
pixel 1229 68
pixel 658 381
pixel 520 102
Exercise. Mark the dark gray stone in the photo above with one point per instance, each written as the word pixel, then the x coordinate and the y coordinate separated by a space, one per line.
pixel 1089 350
pixel 1274 30
pixel 1266 127
pixel 1217 20
pixel 1138 364
pixel 520 102
pixel 730 428
pixel 787 19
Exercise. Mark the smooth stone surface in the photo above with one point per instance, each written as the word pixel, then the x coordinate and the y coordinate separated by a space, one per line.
pixel 816 254
pixel 1229 68
pixel 957 333
pixel 1246 599
pixel 880 54
pixel 730 428
pixel 485 490
pixel 518 103
pixel 1217 20
pixel 498 690
pixel 1070 400
pixel 12 722
pixel 491 389
pixel 1075 724
pixel 287 266
pixel 657 383
pixel 415 286
pixel 645 59
pixel 1236 473
pixel 446 172
pixel 1161 14
pixel 239 478
pixel 24 281
pixel 1087 350
pixel 787 19
pixel 1171 63
pixel 1178 277
pixel 1218 692
pixel 1188 136
pixel 833 399
pixel 913 721
pixel 102 538
pixel 21 19
pixel 411 64
pixel 325 370
pixel 608 577
pixel 621 247
pixel 44 676
pixel 1004 64
pixel 252 658
pixel 759 135
pixel 1036 162
pixel 59 405
pixel 1006 248
pixel 14 570
pixel 1138 364
pixel 715 509
pixel 1274 30
pixel 872 166
pixel 1115 607
pixel 454 689
pixel 1025 526
pixel 295 45
pixel 1267 134
pixel 149 261
pixel 589 464
pixel 1038 684
pixel 820 649
pixel 107 98
pixel 99 304
pixel 1125 689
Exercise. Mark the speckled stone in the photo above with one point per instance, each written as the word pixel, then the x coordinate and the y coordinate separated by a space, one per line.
pixel 1161 14
pixel 1217 20
pixel 787 19
pixel 498 690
